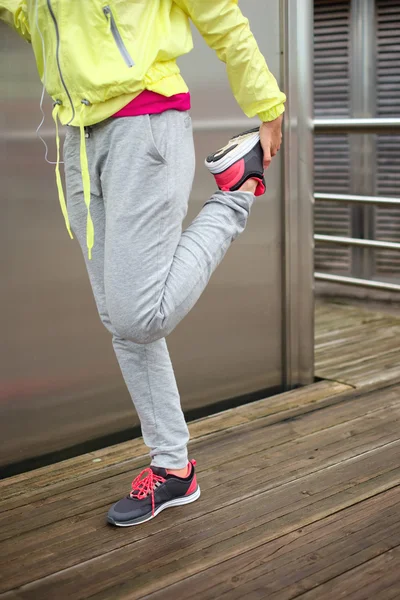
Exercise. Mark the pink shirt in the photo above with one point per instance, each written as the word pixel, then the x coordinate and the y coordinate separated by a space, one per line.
pixel 150 103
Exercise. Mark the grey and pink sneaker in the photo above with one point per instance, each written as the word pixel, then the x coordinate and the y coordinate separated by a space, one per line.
pixel 153 490
pixel 241 159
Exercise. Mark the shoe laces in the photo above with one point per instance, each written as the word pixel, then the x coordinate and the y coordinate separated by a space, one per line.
pixel 145 484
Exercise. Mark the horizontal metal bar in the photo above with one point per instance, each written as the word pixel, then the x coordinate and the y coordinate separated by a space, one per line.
pixel 367 283
pixel 345 241
pixel 237 125
pixel 319 125
pixel 198 125
pixel 351 199
pixel 387 126
pixel 27 135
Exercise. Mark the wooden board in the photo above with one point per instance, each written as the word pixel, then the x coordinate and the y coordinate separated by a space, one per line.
pixel 300 496
pixel 260 482
pixel 320 557
pixel 355 345
pixel 229 447
pixel 97 463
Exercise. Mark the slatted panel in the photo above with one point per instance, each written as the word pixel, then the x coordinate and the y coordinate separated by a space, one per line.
pixel 332 99
pixel 388 147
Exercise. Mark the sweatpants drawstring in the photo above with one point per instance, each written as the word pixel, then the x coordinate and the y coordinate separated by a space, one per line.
pixel 86 183
pixel 58 177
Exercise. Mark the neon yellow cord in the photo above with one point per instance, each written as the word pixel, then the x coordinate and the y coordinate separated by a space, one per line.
pixel 86 184
pixel 58 177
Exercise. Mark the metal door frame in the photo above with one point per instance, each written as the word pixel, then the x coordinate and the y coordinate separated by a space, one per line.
pixel 296 24
pixel 297 202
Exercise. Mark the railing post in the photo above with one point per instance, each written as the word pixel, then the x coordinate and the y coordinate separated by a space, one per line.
pixel 362 147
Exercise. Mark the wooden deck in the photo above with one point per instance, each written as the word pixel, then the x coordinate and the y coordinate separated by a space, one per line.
pixel 300 496
pixel 358 346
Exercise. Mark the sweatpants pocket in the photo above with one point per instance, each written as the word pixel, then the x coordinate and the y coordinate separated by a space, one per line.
pixel 158 133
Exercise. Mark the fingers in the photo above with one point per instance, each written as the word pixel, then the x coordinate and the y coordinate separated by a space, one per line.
pixel 266 146
pixel 275 150
pixel 269 155
pixel 267 159
pixel 271 139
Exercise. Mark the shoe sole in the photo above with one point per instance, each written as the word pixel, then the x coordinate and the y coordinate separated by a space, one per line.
pixel 233 155
pixel 171 503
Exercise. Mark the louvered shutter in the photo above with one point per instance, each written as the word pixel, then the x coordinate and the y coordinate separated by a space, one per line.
pixel 332 153
pixel 387 220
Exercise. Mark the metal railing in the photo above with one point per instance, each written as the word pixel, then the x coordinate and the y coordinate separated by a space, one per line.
pixel 352 199
pixel 356 126
pixel 366 283
pixel 348 241
pixel 362 126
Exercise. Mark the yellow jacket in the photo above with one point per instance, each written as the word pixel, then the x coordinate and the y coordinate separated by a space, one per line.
pixel 94 56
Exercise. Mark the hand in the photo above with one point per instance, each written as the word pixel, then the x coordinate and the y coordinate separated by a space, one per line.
pixel 271 139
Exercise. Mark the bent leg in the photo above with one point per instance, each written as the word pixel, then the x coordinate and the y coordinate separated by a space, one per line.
pixel 154 273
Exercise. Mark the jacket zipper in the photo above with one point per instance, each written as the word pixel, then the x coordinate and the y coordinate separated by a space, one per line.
pixel 117 37
pixel 58 59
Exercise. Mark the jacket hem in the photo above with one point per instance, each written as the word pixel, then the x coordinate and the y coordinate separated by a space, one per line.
pixel 272 113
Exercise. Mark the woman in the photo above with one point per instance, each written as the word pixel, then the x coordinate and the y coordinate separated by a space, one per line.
pixel 110 67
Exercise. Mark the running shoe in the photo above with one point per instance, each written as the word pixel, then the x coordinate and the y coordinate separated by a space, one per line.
pixel 241 159
pixel 153 490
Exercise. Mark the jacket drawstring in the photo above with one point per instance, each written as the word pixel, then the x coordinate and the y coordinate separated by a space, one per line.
pixel 58 177
pixel 86 181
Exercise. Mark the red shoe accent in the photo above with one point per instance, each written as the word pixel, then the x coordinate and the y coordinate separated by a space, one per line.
pixel 193 487
pixel 144 484
pixel 260 189
pixel 231 176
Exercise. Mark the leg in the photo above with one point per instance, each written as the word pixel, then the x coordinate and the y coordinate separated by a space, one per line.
pixel 147 370
pixel 154 274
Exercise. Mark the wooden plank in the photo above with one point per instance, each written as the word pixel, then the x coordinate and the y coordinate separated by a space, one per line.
pixel 326 311
pixel 219 496
pixel 327 334
pixel 343 348
pixel 293 402
pixel 301 560
pixel 379 373
pixel 331 339
pixel 62 487
pixel 364 581
pixel 228 447
pixel 272 469
pixel 95 462
pixel 223 534
pixel 343 323
pixel 69 540
pixel 312 570
pixel 332 348
pixel 357 355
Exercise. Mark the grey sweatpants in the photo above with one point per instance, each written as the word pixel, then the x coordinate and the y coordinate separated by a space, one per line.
pixel 145 273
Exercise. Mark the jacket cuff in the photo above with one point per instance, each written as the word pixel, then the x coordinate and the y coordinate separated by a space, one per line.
pixel 272 113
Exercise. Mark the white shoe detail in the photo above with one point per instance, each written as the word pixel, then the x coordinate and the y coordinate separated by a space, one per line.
pixel 243 145
pixel 174 502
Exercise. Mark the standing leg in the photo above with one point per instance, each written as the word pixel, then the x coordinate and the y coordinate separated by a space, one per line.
pixel 147 370
pixel 146 275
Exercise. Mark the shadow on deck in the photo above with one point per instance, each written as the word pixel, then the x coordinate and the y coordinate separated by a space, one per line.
pixel 300 496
